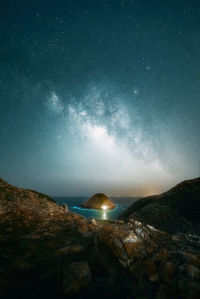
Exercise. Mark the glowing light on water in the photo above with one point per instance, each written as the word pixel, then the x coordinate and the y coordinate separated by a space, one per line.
pixel 104 216
pixel 104 207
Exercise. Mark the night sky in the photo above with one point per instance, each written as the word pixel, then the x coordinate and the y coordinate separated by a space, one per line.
pixel 99 96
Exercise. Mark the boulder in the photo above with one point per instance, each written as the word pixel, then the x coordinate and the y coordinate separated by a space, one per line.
pixel 187 257
pixel 93 221
pixel 192 271
pixel 65 207
pixel 161 292
pixel 74 249
pixel 145 268
pixel 162 255
pixel 167 271
pixel 76 278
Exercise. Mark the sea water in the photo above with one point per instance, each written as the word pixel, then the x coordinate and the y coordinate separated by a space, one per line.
pixel 73 203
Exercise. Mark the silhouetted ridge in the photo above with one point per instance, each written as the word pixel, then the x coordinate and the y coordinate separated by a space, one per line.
pixel 177 209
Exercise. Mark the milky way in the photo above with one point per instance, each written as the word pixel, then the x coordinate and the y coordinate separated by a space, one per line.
pixel 109 147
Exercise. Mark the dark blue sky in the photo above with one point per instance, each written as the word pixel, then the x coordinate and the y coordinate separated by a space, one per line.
pixel 99 96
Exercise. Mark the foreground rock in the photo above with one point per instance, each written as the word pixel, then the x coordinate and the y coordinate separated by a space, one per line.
pixel 77 278
pixel 98 201
pixel 177 210
pixel 46 252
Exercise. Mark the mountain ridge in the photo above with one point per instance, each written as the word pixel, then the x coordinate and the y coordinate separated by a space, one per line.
pixel 180 204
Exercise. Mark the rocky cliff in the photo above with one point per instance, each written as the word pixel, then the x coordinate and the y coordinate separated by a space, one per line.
pixel 49 252
pixel 177 210
pixel 98 201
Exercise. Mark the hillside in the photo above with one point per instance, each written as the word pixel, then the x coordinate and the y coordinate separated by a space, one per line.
pixel 177 210
pixel 48 252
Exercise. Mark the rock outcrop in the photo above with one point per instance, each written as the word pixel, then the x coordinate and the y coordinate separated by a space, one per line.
pixel 177 210
pixel 98 202
pixel 48 252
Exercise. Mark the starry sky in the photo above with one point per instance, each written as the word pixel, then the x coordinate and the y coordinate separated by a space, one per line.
pixel 99 95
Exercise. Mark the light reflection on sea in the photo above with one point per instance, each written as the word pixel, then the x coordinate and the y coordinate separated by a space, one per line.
pixel 74 203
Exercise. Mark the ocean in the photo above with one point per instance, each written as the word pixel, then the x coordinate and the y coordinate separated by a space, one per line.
pixel 73 203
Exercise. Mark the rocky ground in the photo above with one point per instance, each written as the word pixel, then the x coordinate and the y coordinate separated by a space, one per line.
pixel 48 252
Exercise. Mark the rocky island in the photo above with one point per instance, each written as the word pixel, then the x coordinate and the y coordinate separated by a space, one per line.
pixel 49 252
pixel 98 201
